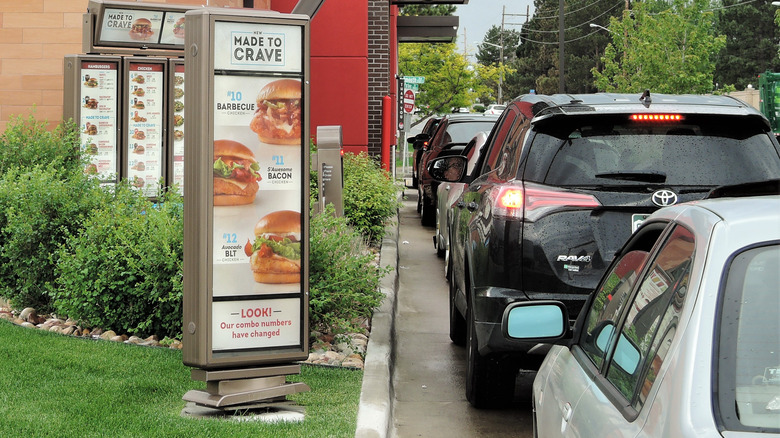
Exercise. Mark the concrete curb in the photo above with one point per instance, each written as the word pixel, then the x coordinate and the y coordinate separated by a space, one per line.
pixel 376 395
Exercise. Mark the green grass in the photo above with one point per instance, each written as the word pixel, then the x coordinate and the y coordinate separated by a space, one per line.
pixel 54 385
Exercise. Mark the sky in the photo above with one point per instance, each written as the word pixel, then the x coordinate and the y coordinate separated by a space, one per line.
pixel 478 16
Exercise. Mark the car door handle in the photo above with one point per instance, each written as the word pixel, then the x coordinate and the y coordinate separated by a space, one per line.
pixel 567 412
pixel 472 206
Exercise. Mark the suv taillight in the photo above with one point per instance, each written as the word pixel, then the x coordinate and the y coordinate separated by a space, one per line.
pixel 532 201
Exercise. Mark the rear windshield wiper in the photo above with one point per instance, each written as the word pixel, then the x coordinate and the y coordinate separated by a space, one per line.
pixel 651 177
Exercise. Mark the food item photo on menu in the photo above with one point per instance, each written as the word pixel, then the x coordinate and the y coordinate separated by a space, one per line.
pixel 141 30
pixel 278 116
pixel 275 255
pixel 236 173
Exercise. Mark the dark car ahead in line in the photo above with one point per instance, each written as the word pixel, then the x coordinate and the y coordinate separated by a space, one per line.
pixel 563 183
pixel 452 134
pixel 419 142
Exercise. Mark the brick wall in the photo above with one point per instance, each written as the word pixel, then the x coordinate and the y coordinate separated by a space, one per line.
pixel 35 36
pixel 378 69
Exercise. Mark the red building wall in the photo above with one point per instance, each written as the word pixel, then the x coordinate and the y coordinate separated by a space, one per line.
pixel 339 68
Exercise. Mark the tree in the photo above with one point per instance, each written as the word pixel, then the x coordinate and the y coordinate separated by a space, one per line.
pixel 489 55
pixel 750 49
pixel 539 68
pixel 672 51
pixel 449 79
pixel 412 10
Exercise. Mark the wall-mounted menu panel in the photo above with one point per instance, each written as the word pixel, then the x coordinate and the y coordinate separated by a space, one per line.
pixel 145 121
pixel 92 101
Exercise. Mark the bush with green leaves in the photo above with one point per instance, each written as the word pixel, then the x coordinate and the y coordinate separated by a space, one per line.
pixel 370 196
pixel 39 208
pixel 343 279
pixel 124 269
pixel 27 143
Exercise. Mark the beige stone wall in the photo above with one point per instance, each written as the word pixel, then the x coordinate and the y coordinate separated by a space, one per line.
pixel 35 36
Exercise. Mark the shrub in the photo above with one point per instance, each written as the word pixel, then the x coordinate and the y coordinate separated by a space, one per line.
pixel 124 269
pixel 343 280
pixel 370 197
pixel 27 143
pixel 39 208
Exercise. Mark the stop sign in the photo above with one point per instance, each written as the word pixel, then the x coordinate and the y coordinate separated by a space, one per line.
pixel 408 101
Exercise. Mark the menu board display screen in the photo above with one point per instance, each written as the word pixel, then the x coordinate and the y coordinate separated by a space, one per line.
pixel 257 185
pixel 98 120
pixel 136 27
pixel 177 107
pixel 145 102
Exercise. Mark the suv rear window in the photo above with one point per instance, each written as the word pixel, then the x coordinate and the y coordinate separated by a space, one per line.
pixel 607 151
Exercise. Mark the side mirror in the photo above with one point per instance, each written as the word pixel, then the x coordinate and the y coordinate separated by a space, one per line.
pixel 420 141
pixel 535 321
pixel 626 356
pixel 412 139
pixel 448 169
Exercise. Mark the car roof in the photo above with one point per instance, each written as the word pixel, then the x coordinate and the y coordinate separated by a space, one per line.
pixel 613 103
pixel 754 218
pixel 470 117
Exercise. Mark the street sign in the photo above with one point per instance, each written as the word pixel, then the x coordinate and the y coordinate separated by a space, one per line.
pixel 413 87
pixel 408 101
pixel 414 79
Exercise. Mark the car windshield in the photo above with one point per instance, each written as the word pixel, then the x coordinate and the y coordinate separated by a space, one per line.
pixel 749 357
pixel 465 131
pixel 703 152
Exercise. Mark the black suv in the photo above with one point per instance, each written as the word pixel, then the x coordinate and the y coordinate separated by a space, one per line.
pixel 563 182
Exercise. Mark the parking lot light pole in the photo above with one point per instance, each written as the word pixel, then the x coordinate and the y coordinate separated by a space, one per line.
pixel 501 67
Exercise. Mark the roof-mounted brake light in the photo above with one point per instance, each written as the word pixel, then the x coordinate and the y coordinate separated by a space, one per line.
pixel 656 117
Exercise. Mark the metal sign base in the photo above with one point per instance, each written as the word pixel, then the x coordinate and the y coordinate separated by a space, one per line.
pixel 244 388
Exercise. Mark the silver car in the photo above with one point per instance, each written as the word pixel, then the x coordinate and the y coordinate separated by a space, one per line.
pixel 681 338
pixel 447 194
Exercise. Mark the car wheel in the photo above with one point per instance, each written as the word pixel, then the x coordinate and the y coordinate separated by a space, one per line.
pixel 489 382
pixel 439 239
pixel 428 212
pixel 457 322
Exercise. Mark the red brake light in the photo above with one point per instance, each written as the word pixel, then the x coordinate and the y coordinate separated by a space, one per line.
pixel 656 117
pixel 534 201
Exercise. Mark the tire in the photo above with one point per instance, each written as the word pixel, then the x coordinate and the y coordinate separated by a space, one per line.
pixel 428 212
pixel 489 382
pixel 439 245
pixel 457 321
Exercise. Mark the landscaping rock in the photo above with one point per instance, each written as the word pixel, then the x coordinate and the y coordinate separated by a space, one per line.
pixel 29 315
pixel 106 335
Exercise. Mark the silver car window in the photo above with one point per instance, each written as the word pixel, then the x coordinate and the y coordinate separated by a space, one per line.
pixel 608 304
pixel 749 346
pixel 652 318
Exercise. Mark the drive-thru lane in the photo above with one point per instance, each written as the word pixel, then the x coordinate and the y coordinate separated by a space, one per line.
pixel 428 377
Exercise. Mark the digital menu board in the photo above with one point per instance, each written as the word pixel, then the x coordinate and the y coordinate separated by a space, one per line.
pixel 145 105
pixel 98 117
pixel 177 120
pixel 257 240
pixel 141 27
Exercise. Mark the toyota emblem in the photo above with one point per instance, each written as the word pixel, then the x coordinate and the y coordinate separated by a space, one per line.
pixel 664 198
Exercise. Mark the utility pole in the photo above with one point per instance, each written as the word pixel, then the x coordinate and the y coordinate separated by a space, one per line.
pixel 561 87
pixel 501 55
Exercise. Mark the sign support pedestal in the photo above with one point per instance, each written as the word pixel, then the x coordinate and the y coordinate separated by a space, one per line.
pixel 244 388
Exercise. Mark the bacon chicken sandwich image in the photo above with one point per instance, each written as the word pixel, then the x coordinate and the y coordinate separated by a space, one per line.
pixel 141 30
pixel 236 173
pixel 91 82
pixel 275 255
pixel 178 28
pixel 278 116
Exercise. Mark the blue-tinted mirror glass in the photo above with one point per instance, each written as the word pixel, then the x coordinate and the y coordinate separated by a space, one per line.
pixel 626 355
pixel 605 335
pixel 536 321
